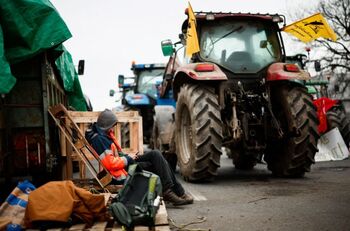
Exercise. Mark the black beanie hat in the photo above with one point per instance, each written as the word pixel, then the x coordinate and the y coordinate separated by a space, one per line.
pixel 106 120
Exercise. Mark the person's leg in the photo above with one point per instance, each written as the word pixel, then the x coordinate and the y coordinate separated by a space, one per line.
pixel 173 191
pixel 177 187
pixel 159 166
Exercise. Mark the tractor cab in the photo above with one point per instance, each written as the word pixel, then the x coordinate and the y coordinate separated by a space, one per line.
pixel 240 43
pixel 147 77
pixel 241 49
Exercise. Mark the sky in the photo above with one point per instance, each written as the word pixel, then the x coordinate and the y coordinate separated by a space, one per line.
pixel 110 34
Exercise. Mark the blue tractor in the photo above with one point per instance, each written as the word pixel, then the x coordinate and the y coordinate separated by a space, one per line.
pixel 141 93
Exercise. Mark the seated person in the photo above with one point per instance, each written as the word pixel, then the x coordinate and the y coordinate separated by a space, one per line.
pixel 102 139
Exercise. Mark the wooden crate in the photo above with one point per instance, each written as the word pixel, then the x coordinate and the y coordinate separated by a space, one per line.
pixel 85 119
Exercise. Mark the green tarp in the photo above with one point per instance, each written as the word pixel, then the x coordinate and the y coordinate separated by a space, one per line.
pixel 70 79
pixel 7 81
pixel 27 28
pixel 30 27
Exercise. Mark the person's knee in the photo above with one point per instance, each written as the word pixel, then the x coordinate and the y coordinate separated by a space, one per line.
pixel 155 153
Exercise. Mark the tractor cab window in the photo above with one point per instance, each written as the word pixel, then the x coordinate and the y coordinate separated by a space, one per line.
pixel 240 46
pixel 148 80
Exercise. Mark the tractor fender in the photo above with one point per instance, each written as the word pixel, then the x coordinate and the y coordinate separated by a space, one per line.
pixel 187 74
pixel 164 122
pixel 323 105
pixel 277 72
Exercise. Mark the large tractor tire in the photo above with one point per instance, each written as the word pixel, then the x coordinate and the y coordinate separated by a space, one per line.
pixel 198 132
pixel 293 155
pixel 336 117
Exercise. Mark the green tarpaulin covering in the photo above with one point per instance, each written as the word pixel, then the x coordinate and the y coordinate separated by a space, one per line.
pixel 30 27
pixel 7 81
pixel 70 79
pixel 27 28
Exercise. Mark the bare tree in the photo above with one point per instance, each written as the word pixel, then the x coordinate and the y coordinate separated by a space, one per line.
pixel 337 58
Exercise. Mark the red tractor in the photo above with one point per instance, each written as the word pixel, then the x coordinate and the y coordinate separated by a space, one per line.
pixel 331 114
pixel 239 93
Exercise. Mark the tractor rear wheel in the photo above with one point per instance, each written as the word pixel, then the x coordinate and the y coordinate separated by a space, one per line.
pixel 198 132
pixel 293 155
pixel 336 117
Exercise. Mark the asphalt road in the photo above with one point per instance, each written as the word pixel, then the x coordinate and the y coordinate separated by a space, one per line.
pixel 254 200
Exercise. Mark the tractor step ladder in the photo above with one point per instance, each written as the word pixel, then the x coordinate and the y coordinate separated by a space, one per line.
pixel 80 145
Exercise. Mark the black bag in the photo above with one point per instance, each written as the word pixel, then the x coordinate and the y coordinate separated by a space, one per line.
pixel 138 201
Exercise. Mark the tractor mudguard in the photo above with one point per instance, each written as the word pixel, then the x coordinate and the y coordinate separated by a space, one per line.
pixel 277 72
pixel 190 72
pixel 323 105
pixel 164 122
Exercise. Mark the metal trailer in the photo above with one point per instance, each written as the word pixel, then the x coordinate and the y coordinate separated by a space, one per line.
pixel 29 142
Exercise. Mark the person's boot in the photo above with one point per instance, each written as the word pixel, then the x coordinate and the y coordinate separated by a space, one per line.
pixel 188 198
pixel 171 197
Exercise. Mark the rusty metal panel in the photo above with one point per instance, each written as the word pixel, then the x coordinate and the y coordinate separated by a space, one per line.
pixel 29 150
pixel 25 117
pixel 27 137
pixel 24 105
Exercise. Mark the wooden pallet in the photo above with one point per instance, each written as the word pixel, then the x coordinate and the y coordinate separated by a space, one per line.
pixel 161 222
pixel 85 119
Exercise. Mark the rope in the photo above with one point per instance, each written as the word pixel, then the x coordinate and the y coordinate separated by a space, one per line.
pixel 183 227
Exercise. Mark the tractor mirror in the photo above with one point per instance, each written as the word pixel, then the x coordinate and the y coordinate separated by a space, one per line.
pixel 317 66
pixel 111 92
pixel 263 43
pixel 121 80
pixel 167 47
pixel 81 66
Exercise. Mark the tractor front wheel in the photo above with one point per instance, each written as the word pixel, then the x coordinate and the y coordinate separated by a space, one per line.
pixel 198 132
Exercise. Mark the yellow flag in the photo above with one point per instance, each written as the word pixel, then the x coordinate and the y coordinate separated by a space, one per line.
pixel 311 28
pixel 192 45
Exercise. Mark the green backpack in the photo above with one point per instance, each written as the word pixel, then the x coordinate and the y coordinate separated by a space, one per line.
pixel 138 201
